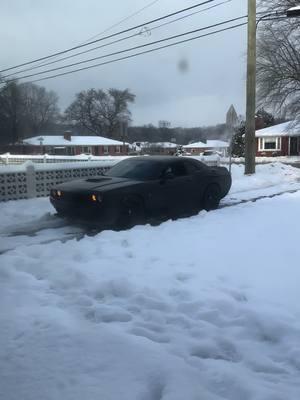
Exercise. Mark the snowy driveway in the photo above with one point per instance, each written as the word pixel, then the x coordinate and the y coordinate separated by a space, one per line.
pixel 201 308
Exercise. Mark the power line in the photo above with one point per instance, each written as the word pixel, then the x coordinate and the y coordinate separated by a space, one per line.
pixel 111 27
pixel 140 53
pixel 115 41
pixel 109 36
pixel 131 48
pixel 122 20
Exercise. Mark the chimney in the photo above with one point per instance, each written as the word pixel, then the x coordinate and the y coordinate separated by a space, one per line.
pixel 67 135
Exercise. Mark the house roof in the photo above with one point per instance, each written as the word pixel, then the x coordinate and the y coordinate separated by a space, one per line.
pixel 75 141
pixel 209 144
pixel 284 129
pixel 199 145
pixel 217 143
pixel 165 145
pixel 155 144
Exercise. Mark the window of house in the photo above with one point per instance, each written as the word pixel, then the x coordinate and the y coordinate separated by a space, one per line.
pixel 118 149
pixel 105 149
pixel 269 144
pixel 87 150
pixel 71 151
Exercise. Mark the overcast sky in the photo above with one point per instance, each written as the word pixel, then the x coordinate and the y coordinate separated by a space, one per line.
pixel 199 94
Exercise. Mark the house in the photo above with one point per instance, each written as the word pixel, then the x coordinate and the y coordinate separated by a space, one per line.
pixel 72 145
pixel 278 140
pixel 211 145
pixel 157 148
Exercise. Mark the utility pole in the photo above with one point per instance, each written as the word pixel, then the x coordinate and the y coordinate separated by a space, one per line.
pixel 250 144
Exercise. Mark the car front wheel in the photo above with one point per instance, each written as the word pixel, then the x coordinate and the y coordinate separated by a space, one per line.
pixel 131 213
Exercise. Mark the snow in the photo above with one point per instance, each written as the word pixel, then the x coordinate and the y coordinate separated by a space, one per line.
pixel 75 141
pixel 284 129
pixel 205 307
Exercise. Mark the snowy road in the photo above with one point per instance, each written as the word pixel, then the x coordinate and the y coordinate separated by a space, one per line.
pixel 205 307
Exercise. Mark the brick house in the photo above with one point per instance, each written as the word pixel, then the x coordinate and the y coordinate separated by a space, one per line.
pixel 211 145
pixel 73 145
pixel 278 140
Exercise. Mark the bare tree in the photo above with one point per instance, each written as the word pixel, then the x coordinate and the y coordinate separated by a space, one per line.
pixel 25 109
pixel 10 112
pixel 278 61
pixel 277 5
pixel 39 106
pixel 101 111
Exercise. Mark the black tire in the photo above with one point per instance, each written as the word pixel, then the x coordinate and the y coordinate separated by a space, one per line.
pixel 131 213
pixel 211 198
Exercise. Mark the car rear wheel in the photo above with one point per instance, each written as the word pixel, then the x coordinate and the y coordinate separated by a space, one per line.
pixel 132 213
pixel 211 198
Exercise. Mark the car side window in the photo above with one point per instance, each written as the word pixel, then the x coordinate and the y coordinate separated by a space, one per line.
pixel 191 167
pixel 177 169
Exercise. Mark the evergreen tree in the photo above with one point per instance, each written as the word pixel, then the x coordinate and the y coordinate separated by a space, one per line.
pixel 238 141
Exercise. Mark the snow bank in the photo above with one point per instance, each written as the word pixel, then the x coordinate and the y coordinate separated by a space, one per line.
pixel 17 212
pixel 205 307
pixel 266 176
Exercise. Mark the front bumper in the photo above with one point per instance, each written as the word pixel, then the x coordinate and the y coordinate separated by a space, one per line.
pixel 86 211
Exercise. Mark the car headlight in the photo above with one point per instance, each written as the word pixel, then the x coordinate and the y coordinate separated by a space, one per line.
pixel 97 198
pixel 55 193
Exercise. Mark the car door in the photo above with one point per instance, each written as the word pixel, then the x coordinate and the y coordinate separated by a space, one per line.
pixel 177 188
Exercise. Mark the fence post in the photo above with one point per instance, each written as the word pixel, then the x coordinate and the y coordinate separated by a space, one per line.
pixel 30 177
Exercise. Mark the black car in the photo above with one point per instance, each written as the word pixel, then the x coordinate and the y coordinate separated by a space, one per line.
pixel 141 189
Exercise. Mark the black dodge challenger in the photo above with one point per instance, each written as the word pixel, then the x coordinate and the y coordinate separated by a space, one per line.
pixel 142 189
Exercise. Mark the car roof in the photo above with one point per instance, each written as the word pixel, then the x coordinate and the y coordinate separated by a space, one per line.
pixel 161 159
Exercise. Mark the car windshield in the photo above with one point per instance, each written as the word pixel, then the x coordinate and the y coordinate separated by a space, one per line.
pixel 141 170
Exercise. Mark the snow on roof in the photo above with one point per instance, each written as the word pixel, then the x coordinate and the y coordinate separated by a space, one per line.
pixel 164 144
pixel 155 144
pixel 216 143
pixel 296 8
pixel 284 129
pixel 195 145
pixel 48 140
pixel 208 144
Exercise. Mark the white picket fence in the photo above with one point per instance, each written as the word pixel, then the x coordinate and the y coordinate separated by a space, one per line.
pixel 17 159
pixel 35 180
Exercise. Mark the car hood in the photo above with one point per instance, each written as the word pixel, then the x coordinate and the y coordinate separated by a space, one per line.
pixel 101 183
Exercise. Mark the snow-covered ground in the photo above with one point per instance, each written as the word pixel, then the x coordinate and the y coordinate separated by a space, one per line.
pixel 205 307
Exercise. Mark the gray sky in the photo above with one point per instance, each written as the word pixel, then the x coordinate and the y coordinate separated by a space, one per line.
pixel 215 71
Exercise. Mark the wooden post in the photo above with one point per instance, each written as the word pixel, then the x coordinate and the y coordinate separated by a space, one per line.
pixel 250 147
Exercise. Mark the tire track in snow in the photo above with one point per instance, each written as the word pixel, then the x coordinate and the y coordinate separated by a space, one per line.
pixel 61 230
